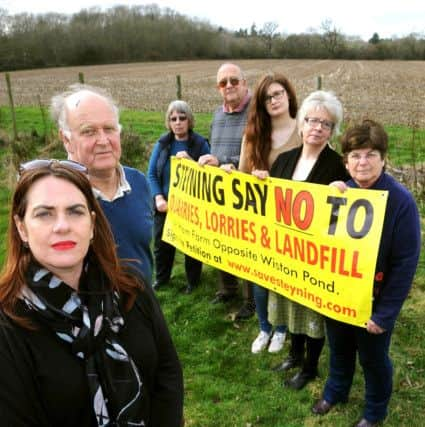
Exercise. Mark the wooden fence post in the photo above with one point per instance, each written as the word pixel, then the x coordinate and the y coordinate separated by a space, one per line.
pixel 319 82
pixel 81 78
pixel 43 115
pixel 179 87
pixel 12 106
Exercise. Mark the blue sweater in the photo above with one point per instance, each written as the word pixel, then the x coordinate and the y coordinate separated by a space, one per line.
pixel 398 251
pixel 159 180
pixel 131 222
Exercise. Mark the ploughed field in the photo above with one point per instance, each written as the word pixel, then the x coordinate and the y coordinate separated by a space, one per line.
pixel 392 92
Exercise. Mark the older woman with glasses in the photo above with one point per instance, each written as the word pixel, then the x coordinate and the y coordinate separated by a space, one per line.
pixel 180 141
pixel 364 149
pixel 82 342
pixel 318 119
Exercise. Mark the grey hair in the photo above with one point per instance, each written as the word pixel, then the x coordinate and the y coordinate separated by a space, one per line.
pixel 180 107
pixel 60 103
pixel 322 100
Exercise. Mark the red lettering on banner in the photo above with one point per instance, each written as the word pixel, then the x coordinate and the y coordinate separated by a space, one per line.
pixel 333 259
pixel 184 210
pixel 230 226
pixel 300 210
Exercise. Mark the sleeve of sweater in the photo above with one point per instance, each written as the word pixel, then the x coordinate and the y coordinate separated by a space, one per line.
pixel 146 189
pixel 401 263
pixel 281 167
pixel 205 149
pixel 167 396
pixel 154 182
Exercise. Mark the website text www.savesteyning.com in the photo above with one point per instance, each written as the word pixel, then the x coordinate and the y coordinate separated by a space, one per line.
pixel 293 290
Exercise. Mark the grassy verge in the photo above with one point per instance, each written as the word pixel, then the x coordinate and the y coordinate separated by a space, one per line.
pixel 149 125
pixel 407 144
pixel 225 384
pixel 228 386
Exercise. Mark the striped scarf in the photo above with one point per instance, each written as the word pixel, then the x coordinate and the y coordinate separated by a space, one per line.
pixel 90 321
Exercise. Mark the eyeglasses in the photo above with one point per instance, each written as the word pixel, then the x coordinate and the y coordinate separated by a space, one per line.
pixel 234 81
pixel 277 96
pixel 315 122
pixel 180 118
pixel 369 156
pixel 47 163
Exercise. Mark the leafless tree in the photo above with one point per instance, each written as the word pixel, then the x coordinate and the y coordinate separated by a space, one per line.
pixel 332 38
pixel 268 33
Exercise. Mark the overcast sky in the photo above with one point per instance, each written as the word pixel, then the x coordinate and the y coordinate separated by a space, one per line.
pixel 361 17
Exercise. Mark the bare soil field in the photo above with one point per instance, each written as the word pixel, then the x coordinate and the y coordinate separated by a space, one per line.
pixel 389 91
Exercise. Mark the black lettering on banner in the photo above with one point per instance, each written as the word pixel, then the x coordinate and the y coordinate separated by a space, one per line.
pixel 368 218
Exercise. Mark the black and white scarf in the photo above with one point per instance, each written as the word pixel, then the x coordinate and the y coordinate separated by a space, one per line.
pixel 90 321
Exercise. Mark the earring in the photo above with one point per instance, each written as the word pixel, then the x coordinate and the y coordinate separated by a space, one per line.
pixel 25 244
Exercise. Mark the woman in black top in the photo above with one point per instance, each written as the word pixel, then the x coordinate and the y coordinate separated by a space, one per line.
pixel 82 343
pixel 319 119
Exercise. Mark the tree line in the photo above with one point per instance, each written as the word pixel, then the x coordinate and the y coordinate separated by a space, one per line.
pixel 148 33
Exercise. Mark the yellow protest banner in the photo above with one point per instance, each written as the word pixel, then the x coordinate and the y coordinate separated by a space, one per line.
pixel 308 242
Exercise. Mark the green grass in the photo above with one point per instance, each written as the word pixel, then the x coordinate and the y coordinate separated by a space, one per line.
pixel 4 209
pixel 407 145
pixel 227 386
pixel 149 125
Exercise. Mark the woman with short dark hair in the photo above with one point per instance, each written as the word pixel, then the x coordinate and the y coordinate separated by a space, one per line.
pixel 364 148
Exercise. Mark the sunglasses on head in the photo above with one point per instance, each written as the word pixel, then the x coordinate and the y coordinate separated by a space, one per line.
pixel 47 163
pixel 181 118
pixel 234 81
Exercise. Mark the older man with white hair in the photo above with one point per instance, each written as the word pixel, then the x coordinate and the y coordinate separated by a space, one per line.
pixel 88 122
